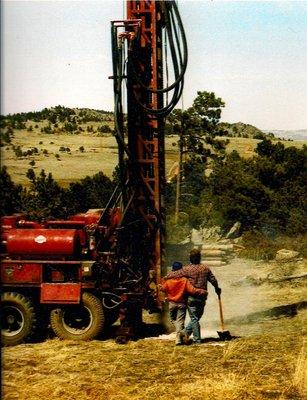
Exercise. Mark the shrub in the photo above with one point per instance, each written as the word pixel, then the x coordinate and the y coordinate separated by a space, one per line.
pixel 104 129
pixel 10 201
pixel 258 246
pixel 18 152
pixel 177 232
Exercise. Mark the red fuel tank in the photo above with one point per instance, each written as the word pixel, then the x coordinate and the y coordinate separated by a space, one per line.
pixel 87 218
pixel 44 243
pixel 10 221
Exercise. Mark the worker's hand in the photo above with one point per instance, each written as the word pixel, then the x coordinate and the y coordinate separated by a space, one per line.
pixel 160 287
pixel 218 291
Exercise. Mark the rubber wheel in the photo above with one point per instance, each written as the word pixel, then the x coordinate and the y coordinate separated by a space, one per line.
pixel 18 319
pixel 79 322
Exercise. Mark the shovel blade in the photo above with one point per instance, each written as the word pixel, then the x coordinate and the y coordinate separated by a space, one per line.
pixel 224 335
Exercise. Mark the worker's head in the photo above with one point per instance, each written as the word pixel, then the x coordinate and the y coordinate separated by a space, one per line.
pixel 195 256
pixel 176 266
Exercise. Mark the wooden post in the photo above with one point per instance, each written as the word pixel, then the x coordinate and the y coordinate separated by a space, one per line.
pixel 178 184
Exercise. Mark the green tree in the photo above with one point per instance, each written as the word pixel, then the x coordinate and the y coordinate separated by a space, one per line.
pixel 11 194
pixel 198 128
pixel 200 125
pixel 18 152
pixel 91 192
pixel 236 194
pixel 45 198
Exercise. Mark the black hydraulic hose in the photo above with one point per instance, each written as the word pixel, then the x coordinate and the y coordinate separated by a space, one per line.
pixel 183 61
pixel 171 16
pixel 179 64
pixel 116 300
pixel 118 67
pixel 170 9
pixel 165 110
pixel 108 205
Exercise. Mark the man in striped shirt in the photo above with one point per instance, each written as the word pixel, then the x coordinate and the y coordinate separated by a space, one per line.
pixel 198 275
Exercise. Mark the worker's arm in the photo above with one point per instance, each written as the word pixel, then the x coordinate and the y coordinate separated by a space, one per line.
pixel 163 285
pixel 175 274
pixel 195 291
pixel 212 279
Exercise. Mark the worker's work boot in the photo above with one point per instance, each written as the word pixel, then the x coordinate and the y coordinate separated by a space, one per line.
pixel 185 338
pixel 178 339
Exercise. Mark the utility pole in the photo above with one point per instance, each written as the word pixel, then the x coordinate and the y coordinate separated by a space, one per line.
pixel 178 183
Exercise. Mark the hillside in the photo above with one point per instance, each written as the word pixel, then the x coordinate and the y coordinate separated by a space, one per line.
pixel 74 143
pixel 62 119
pixel 57 120
pixel 300 134
pixel 239 129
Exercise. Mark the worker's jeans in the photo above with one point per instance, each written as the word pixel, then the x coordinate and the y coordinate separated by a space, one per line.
pixel 195 309
pixel 177 314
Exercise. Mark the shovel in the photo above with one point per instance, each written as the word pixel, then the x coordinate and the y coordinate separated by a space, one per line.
pixel 223 335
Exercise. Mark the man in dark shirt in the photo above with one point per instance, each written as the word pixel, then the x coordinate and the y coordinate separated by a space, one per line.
pixel 198 275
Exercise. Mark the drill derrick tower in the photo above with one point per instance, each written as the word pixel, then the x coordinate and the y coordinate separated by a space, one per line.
pixel 138 46
pixel 81 273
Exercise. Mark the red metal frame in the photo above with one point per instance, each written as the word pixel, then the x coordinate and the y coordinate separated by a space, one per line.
pixel 60 293
pixel 48 249
pixel 145 130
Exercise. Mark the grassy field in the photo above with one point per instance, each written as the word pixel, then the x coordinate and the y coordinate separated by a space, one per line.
pixel 268 366
pixel 266 359
pixel 100 154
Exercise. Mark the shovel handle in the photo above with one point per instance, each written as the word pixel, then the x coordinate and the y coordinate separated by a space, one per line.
pixel 221 312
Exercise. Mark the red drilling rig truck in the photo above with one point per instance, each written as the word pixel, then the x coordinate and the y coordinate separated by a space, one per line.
pixel 81 274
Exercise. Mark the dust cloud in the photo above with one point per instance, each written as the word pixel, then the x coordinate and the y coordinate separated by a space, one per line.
pixel 240 297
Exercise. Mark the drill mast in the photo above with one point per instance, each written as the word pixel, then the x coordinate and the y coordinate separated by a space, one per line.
pixel 138 46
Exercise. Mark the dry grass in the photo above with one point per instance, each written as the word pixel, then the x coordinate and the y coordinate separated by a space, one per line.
pixel 258 246
pixel 100 154
pixel 246 146
pixel 300 373
pixel 268 366
pixel 266 361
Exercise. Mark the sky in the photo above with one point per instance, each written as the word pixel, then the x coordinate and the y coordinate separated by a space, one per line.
pixel 252 54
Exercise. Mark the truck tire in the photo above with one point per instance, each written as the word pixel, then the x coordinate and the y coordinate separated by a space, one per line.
pixel 79 322
pixel 18 319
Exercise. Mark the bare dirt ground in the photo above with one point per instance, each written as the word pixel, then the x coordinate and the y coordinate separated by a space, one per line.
pixel 265 360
